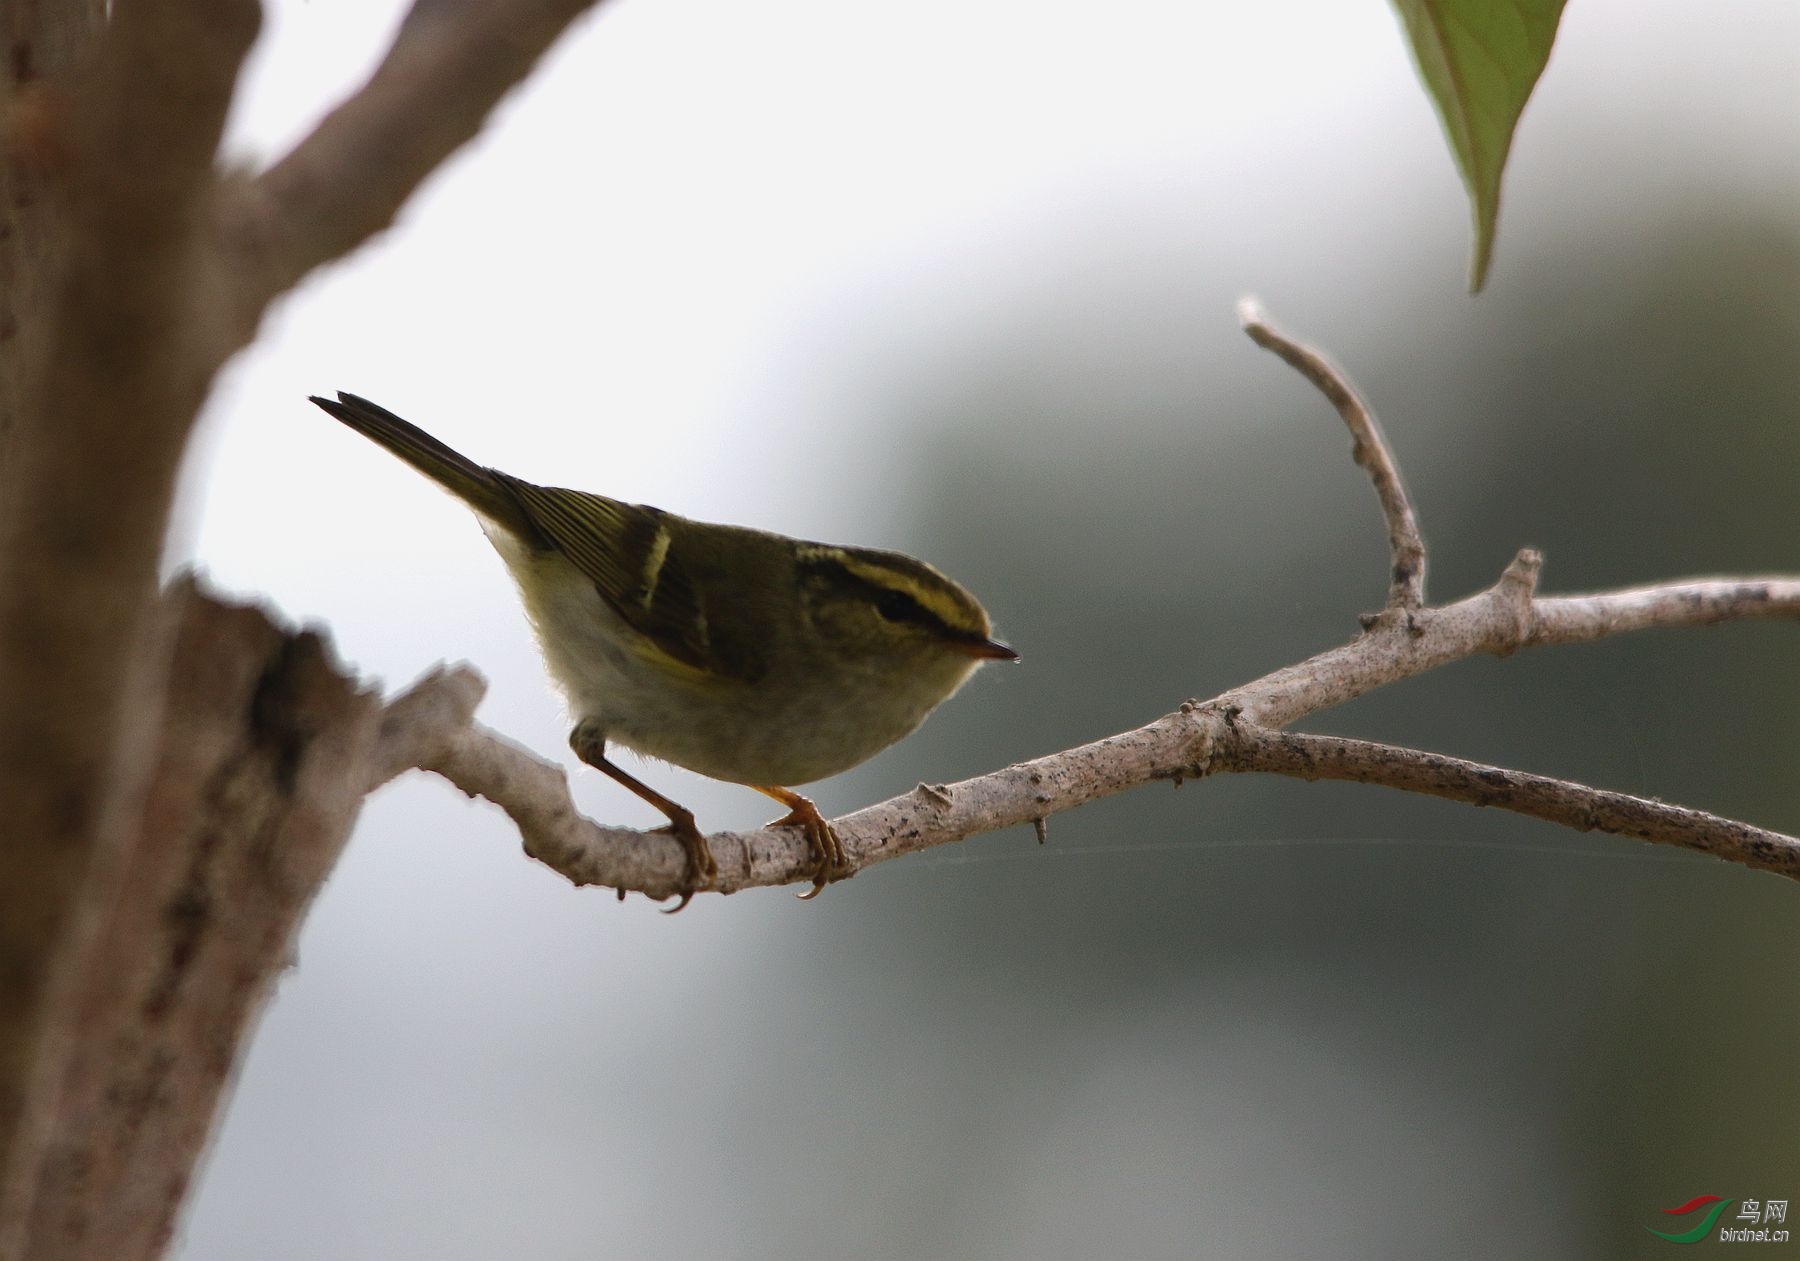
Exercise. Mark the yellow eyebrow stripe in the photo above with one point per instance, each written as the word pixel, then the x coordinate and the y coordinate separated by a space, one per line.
pixel 928 587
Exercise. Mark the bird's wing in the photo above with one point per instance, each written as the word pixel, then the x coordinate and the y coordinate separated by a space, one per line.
pixel 630 553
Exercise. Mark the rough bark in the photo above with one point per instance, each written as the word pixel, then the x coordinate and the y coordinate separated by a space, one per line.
pixel 131 270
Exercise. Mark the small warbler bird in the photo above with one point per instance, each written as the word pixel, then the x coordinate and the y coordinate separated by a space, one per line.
pixel 740 654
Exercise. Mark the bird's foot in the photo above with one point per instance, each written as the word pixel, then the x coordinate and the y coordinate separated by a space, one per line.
pixel 702 870
pixel 589 744
pixel 830 861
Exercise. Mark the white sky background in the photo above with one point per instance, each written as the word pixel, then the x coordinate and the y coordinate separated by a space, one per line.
pixel 693 246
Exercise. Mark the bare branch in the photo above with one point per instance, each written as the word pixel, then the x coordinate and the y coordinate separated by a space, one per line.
pixel 1492 621
pixel 1406 584
pixel 1553 800
pixel 1572 619
pixel 416 724
pixel 449 66
pixel 534 792
pixel 431 727
pixel 1198 739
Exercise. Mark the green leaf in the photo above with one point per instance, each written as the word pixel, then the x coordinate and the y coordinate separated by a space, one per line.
pixel 1480 59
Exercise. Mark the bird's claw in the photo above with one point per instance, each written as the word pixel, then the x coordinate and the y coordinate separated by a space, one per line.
pixel 702 870
pixel 832 864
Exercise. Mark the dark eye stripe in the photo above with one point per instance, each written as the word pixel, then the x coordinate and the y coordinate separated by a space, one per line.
pixel 897 606
pixel 891 603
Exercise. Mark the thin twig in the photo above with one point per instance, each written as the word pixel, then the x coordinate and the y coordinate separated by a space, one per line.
pixel 1571 619
pixel 1406 586
pixel 1539 796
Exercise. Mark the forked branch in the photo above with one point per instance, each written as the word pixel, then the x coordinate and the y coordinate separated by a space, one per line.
pixel 432 726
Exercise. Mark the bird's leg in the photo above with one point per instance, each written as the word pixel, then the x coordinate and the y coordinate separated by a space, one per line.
pixel 823 838
pixel 702 870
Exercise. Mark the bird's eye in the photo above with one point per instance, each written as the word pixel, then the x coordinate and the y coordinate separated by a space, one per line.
pixel 897 606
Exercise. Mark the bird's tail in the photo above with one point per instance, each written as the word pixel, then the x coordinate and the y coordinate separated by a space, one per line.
pixel 476 486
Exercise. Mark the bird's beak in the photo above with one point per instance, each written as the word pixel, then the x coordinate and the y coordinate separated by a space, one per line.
pixel 985 649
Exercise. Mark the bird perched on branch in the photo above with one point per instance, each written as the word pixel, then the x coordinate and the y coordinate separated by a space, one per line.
pixel 743 655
